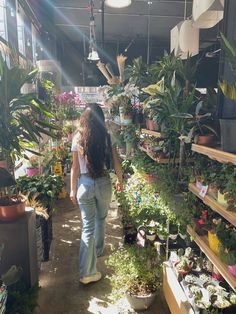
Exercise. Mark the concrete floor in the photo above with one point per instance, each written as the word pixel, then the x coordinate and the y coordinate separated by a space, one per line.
pixel 61 292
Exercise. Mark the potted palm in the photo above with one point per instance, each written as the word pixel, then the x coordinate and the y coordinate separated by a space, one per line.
pixel 12 205
pixel 137 275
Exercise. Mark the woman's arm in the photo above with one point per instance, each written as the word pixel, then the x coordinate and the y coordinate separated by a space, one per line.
pixel 74 174
pixel 118 169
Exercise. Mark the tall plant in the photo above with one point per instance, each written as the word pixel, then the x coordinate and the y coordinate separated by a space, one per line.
pixel 23 117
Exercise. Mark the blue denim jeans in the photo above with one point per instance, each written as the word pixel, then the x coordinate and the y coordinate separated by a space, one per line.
pixel 94 197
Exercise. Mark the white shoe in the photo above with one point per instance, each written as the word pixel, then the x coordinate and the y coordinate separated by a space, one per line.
pixel 93 278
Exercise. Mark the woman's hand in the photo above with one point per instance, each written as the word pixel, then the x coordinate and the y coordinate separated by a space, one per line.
pixel 119 186
pixel 73 198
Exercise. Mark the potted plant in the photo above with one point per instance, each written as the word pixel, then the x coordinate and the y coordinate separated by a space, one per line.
pixel 227 236
pixel 12 204
pixel 10 277
pixel 20 123
pixel 137 275
pixel 33 166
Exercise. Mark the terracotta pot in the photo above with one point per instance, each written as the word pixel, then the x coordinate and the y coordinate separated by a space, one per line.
pixel 151 125
pixel 3 164
pixel 32 171
pixel 212 190
pixel 12 212
pixel 213 242
pixel 206 140
pixel 232 269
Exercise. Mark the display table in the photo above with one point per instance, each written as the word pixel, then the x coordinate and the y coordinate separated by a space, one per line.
pixel 19 238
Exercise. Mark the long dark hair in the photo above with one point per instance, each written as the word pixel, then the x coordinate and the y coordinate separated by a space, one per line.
pixel 94 142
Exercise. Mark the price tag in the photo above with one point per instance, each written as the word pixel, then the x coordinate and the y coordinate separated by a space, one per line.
pixel 203 191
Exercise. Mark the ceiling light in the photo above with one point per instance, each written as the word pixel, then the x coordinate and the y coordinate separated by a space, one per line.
pixel 93 55
pixel 118 3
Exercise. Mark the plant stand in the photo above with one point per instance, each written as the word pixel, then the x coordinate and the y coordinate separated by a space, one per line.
pixel 19 238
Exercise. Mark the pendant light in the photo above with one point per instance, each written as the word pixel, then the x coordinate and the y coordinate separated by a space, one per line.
pixel 118 3
pixel 184 38
pixel 93 54
pixel 207 13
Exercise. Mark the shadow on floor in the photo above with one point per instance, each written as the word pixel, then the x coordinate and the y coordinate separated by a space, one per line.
pixel 61 292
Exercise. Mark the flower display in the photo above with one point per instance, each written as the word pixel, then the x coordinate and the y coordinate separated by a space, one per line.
pixel 68 98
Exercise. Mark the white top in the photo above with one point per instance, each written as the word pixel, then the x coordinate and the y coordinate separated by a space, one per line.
pixel 81 158
pixel 74 148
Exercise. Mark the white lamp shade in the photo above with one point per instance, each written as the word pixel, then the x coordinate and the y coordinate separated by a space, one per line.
pixel 118 3
pixel 93 56
pixel 207 13
pixel 185 39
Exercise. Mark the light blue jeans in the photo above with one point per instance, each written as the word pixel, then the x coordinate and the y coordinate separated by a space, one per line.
pixel 94 197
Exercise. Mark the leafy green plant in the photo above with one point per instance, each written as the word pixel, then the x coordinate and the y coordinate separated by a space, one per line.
pixel 229 47
pixel 23 117
pixel 46 187
pixel 136 270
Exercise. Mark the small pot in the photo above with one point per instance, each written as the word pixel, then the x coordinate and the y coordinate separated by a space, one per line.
pixel 12 212
pixel 151 125
pixel 3 164
pixel 173 236
pixel 213 242
pixel 206 140
pixel 232 269
pixel 221 199
pixel 140 303
pixel 127 120
pixel 31 171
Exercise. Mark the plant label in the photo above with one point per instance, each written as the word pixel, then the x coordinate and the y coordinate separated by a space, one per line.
pixel 203 191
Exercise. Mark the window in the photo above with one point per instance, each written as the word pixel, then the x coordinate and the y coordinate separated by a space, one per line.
pixel 20 30
pixel 34 44
pixel 3 19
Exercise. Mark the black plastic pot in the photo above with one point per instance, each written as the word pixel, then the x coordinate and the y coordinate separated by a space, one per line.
pixel 130 235
pixel 140 303
pixel 228 131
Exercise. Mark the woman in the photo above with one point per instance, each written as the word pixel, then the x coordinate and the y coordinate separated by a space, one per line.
pixel 92 157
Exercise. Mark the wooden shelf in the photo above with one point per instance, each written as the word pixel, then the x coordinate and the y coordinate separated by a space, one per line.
pixel 152 133
pixel 118 123
pixel 202 242
pixel 214 205
pixel 215 153
pixel 174 294
pixel 159 160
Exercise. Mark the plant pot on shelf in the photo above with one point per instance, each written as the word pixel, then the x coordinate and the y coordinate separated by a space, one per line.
pixel 206 140
pixel 3 164
pixel 221 199
pixel 141 303
pixel 12 211
pixel 32 171
pixel 228 131
pixel 214 242
pixel 127 119
pixel 151 125
pixel 232 270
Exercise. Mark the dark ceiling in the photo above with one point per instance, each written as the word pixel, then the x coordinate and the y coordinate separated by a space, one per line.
pixel 124 25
